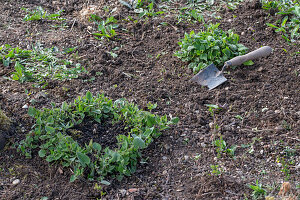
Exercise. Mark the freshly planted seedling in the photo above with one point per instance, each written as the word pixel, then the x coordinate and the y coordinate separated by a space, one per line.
pixel 39 64
pixel 212 45
pixel 39 13
pixel 49 136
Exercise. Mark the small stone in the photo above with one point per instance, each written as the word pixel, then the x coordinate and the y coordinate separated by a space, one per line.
pixel 203 144
pixel 298 113
pixel 277 111
pixel 122 192
pixel 89 28
pixel 229 20
pixel 16 182
pixel 279 164
pixel 243 33
pixel 260 69
pixel 186 157
pixel 164 158
pixel 165 172
pixel 25 106
pixel 211 125
pixel 261 151
pixel 131 190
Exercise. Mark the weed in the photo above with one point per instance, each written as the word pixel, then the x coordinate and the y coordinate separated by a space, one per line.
pixel 48 134
pixel 222 147
pixel 212 45
pixel 288 26
pixel 39 64
pixel 285 167
pixel 105 27
pixel 258 190
pixel 39 13
pixel 215 170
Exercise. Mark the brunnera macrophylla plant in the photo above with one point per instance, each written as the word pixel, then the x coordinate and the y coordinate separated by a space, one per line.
pixel 212 45
pixel 49 136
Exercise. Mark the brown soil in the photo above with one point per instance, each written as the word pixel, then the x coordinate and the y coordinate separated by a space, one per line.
pixel 178 164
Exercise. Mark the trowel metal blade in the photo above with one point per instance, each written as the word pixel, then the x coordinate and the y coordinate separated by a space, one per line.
pixel 209 77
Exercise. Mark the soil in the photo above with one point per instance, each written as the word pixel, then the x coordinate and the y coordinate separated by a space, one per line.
pixel 178 164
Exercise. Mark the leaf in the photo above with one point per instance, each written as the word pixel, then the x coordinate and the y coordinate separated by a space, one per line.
pixel 50 120
pixel 138 142
pixel 248 63
pixel 49 129
pixel 73 178
pixel 97 146
pixel 105 182
pixel 89 95
pixel 31 111
pixel 175 120
pixel 42 153
pixel 84 159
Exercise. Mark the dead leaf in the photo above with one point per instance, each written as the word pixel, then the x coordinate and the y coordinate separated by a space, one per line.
pixel 284 189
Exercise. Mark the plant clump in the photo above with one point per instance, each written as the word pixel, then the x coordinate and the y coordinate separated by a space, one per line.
pixel 39 64
pixel 49 136
pixel 39 13
pixel 212 45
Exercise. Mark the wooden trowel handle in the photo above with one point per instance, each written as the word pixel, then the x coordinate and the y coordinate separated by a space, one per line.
pixel 258 53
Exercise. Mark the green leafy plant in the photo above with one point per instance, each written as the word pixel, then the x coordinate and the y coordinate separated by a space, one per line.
pixel 212 109
pixel 106 27
pixel 49 136
pixel 258 190
pixel 39 13
pixel 289 24
pixel 222 147
pixel 212 45
pixel 215 170
pixel 39 64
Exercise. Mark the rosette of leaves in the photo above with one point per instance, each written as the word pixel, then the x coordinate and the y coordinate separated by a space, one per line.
pixel 49 136
pixel 212 45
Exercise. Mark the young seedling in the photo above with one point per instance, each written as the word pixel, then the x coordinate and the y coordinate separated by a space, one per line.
pixel 258 190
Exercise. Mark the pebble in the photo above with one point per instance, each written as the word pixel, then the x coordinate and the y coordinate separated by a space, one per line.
pixel 277 111
pixel 16 182
pixel 279 164
pixel 298 113
pixel 186 157
pixel 123 192
pixel 261 151
pixel 203 144
pixel 164 158
pixel 131 190
pixel 25 106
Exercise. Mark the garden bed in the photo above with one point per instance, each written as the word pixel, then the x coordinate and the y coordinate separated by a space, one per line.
pixel 259 104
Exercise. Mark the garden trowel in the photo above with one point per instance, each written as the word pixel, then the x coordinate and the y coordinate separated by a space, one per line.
pixel 212 77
